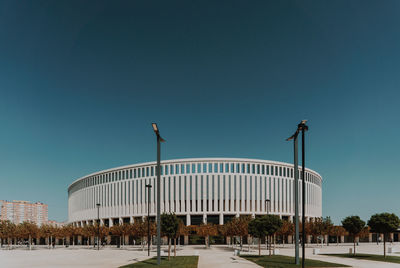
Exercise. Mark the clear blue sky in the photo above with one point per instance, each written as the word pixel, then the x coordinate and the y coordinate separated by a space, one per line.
pixel 81 81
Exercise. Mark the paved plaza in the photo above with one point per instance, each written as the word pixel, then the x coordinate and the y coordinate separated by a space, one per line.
pixel 216 256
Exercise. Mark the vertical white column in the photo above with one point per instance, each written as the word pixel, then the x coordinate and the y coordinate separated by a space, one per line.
pixel 263 194
pixel 187 194
pixel 230 192
pixel 284 188
pixel 204 197
pixel 182 194
pixel 167 194
pixel 221 192
pixel 210 193
pixel 253 192
pixel 242 195
pixel 176 194
pixel 198 191
pixel 248 194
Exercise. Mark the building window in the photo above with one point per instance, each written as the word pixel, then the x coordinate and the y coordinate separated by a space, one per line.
pixel 198 168
pixel 215 168
pixel 187 168
pixel 209 168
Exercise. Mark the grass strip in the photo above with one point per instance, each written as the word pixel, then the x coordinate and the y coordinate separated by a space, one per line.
pixel 279 261
pixel 176 262
pixel 368 257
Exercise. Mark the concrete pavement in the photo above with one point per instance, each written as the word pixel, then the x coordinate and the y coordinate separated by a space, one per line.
pixel 216 256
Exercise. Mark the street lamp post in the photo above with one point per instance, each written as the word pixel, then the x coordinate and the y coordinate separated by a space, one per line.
pixel 148 186
pixel 296 194
pixel 303 127
pixel 158 171
pixel 300 127
pixel 98 226
pixel 267 207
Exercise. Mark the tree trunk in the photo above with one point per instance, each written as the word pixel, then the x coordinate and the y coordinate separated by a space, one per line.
pixel 30 242
pixel 384 245
pixel 354 243
pixel 175 247
pixel 269 245
pixel 169 248
pixel 259 246
pixel 337 240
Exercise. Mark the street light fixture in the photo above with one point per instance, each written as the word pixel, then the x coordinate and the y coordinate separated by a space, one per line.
pixel 148 186
pixel 267 208
pixel 300 127
pixel 158 171
pixel 98 226
pixel 296 194
pixel 303 128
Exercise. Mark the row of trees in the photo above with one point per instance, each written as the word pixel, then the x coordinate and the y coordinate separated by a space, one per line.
pixel 14 233
pixel 383 223
pixel 266 226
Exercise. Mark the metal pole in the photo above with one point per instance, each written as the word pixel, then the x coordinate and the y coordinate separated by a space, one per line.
pixel 267 203
pixel 296 199
pixel 304 195
pixel 98 227
pixel 148 219
pixel 158 203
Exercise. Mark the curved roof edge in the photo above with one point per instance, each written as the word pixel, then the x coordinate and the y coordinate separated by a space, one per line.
pixel 191 160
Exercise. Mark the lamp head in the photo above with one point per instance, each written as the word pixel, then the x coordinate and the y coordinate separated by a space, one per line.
pixel 98 205
pixel 302 125
pixel 155 128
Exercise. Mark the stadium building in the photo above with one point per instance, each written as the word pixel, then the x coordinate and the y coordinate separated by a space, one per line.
pixel 198 190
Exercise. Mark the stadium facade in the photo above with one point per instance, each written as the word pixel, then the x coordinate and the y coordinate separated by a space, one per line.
pixel 197 190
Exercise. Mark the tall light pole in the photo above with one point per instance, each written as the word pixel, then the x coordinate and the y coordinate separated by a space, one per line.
pixel 267 207
pixel 98 226
pixel 148 186
pixel 303 128
pixel 296 195
pixel 158 171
